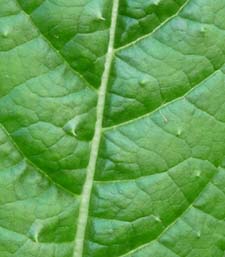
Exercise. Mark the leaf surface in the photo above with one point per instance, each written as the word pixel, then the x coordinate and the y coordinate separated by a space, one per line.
pixel 112 124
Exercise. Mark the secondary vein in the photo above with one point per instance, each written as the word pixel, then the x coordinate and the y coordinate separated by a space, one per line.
pixel 87 188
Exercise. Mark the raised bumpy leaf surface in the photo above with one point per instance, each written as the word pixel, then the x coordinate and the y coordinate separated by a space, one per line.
pixel 112 128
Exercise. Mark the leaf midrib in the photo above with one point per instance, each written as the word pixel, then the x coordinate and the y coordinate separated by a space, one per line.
pixel 87 187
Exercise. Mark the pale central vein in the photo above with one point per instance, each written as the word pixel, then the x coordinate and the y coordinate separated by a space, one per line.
pixel 86 193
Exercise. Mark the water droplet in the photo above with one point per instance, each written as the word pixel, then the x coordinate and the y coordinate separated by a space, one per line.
pixel 143 82
pixel 179 131
pixel 5 32
pixel 203 29
pixel 164 117
pixel 100 17
pixel 71 126
pixel 156 2
pixel 35 230
pixel 198 173
pixel 157 218
pixel 80 126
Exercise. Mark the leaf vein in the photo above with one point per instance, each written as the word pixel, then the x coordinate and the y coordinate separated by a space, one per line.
pixel 174 222
pixel 164 105
pixel 56 50
pixel 156 29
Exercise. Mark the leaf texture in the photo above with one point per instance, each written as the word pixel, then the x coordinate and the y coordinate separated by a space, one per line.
pixel 112 124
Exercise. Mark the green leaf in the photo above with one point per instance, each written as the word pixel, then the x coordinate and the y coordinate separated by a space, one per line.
pixel 112 124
